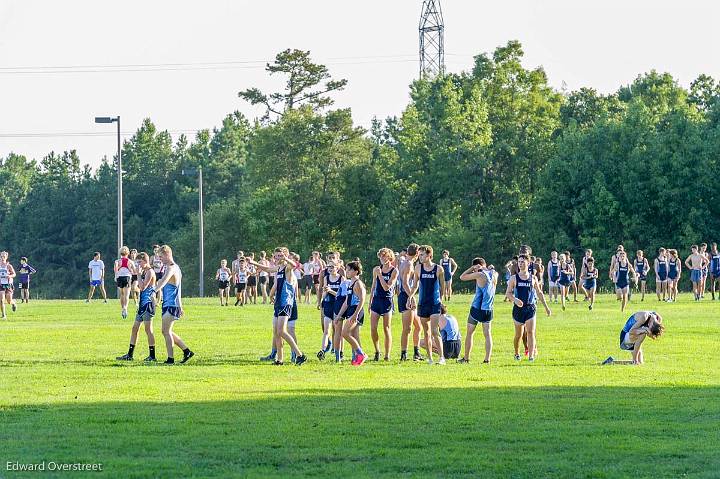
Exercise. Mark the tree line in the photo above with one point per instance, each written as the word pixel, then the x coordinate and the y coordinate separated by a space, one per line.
pixel 478 163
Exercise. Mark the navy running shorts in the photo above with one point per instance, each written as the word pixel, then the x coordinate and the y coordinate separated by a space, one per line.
pixel 427 310
pixel 380 305
pixel 524 314
pixel 479 316
pixel 451 349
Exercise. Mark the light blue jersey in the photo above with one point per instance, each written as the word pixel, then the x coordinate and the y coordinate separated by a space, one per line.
pixel 451 330
pixel 488 291
pixel 171 295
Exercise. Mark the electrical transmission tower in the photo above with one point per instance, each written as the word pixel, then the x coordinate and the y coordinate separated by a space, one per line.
pixel 432 40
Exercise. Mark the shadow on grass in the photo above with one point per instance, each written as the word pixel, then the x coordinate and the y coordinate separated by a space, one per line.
pixel 591 432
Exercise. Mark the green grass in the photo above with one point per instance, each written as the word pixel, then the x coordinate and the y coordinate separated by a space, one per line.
pixel 63 398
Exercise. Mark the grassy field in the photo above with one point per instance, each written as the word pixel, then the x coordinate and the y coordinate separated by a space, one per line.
pixel 64 398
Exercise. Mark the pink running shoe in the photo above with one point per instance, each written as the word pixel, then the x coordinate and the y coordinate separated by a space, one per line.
pixel 359 359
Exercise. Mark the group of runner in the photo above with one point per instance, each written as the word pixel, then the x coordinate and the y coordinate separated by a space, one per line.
pixel 152 280
pixel 342 295
pixel 562 274
pixel 410 277
pixel 8 273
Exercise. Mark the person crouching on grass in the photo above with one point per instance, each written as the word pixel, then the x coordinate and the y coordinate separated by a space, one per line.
pixel 146 308
pixel 450 335
pixel 641 325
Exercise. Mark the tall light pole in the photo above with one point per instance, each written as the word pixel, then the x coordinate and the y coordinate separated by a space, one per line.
pixel 108 119
pixel 192 172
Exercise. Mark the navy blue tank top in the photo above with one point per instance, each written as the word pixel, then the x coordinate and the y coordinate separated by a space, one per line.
pixel 429 286
pixel 524 290
pixel 379 291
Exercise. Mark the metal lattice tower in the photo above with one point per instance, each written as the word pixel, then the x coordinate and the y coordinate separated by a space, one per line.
pixel 432 40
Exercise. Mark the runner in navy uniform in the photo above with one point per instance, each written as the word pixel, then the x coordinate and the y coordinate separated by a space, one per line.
pixel 285 297
pixel 621 274
pixel 661 274
pixel 674 273
pixel 449 267
pixel 326 304
pixel 565 279
pixel 381 305
pixel 354 311
pixel 523 290
pixel 714 269
pixel 641 269
pixel 553 271
pixel 589 277
pixel 430 282
pixel 641 325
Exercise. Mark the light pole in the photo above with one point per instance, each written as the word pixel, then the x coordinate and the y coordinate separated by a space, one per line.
pixel 108 119
pixel 192 172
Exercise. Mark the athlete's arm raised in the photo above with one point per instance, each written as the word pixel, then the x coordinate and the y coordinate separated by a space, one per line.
pixel 470 274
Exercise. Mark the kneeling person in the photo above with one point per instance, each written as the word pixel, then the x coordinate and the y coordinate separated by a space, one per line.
pixel 639 326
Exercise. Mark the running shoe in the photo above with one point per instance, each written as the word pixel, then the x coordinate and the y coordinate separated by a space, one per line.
pixel 403 357
pixel 486 361
pixel 441 361
pixel 517 357
pixel 269 357
pixel 187 356
pixel 590 307
pixel 14 307
pixel 321 355
pixel 418 357
pixel 359 360
pixel 277 363
pixel 377 356
pixel 430 361
pixel 124 357
pixel 169 361
pixel 609 360
pixel 150 359
pixel 300 359
pixel 123 313
pixel 463 361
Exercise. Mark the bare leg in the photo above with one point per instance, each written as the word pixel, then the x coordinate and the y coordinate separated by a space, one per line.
pixel 428 339
pixel 388 334
pixel 469 340
pixel 519 329
pixel 374 319
pixel 530 328
pixel 487 332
